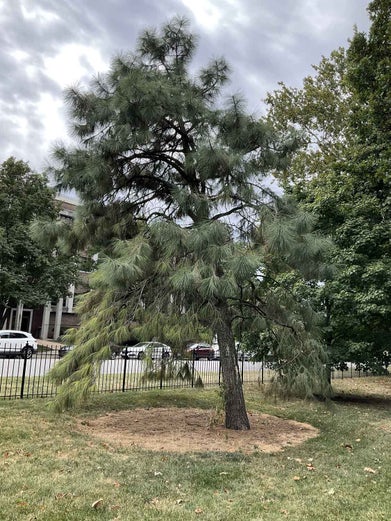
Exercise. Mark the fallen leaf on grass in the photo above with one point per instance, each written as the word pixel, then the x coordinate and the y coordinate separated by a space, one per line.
pixel 369 470
pixel 296 478
pixel 64 495
pixel 97 503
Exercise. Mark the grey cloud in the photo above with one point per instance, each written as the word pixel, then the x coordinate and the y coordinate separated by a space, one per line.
pixel 264 41
pixel 280 42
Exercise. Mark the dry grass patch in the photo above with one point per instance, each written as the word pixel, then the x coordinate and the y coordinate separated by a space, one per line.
pixel 370 387
pixel 195 430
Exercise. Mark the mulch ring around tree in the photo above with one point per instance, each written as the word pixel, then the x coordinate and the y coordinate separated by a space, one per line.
pixel 194 430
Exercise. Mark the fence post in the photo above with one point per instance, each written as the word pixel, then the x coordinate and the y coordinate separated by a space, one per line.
pixel 192 370
pixel 162 368
pixel 262 368
pixel 124 373
pixel 24 356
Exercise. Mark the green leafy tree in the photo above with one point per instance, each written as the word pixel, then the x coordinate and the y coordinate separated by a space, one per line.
pixel 179 182
pixel 29 272
pixel 342 174
pixel 318 113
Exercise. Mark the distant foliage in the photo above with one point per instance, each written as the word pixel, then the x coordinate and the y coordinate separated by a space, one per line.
pixel 31 271
pixel 342 116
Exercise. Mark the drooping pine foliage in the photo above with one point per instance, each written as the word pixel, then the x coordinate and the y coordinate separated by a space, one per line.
pixel 171 290
pixel 180 182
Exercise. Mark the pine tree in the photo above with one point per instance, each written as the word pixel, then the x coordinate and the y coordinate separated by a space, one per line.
pixel 180 181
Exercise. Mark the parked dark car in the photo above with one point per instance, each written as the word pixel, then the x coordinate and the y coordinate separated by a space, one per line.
pixel 64 350
pixel 200 350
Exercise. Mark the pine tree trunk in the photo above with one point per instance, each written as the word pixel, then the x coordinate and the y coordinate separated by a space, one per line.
pixel 235 408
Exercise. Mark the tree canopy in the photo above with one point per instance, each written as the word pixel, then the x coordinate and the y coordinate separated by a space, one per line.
pixel 29 272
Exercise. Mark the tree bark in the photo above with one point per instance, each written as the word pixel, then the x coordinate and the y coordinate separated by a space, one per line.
pixel 235 408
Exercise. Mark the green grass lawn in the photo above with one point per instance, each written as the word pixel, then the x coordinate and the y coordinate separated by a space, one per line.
pixel 51 471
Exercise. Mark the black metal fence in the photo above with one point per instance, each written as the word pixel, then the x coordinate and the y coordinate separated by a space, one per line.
pixel 28 377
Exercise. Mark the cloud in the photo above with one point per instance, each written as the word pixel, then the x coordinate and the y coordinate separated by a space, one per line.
pixel 47 45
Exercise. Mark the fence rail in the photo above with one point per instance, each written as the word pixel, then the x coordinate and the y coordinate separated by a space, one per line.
pixel 28 377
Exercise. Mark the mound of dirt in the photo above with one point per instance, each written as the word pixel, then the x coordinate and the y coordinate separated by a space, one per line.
pixel 195 430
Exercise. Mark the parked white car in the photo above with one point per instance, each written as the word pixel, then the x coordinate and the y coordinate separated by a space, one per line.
pixel 17 343
pixel 143 349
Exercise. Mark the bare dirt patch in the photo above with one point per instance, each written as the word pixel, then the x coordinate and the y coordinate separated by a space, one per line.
pixel 195 430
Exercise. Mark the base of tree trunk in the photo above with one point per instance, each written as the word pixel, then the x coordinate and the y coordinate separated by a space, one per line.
pixel 237 424
pixel 235 407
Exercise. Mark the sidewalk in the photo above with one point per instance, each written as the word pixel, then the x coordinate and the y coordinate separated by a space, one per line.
pixel 49 343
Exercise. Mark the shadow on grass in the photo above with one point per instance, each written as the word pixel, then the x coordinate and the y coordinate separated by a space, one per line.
pixel 190 398
pixel 357 399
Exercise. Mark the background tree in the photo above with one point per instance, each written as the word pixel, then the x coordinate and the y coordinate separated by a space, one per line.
pixel 29 272
pixel 180 183
pixel 342 173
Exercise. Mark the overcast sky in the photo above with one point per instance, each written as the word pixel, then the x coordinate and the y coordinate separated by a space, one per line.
pixel 48 45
